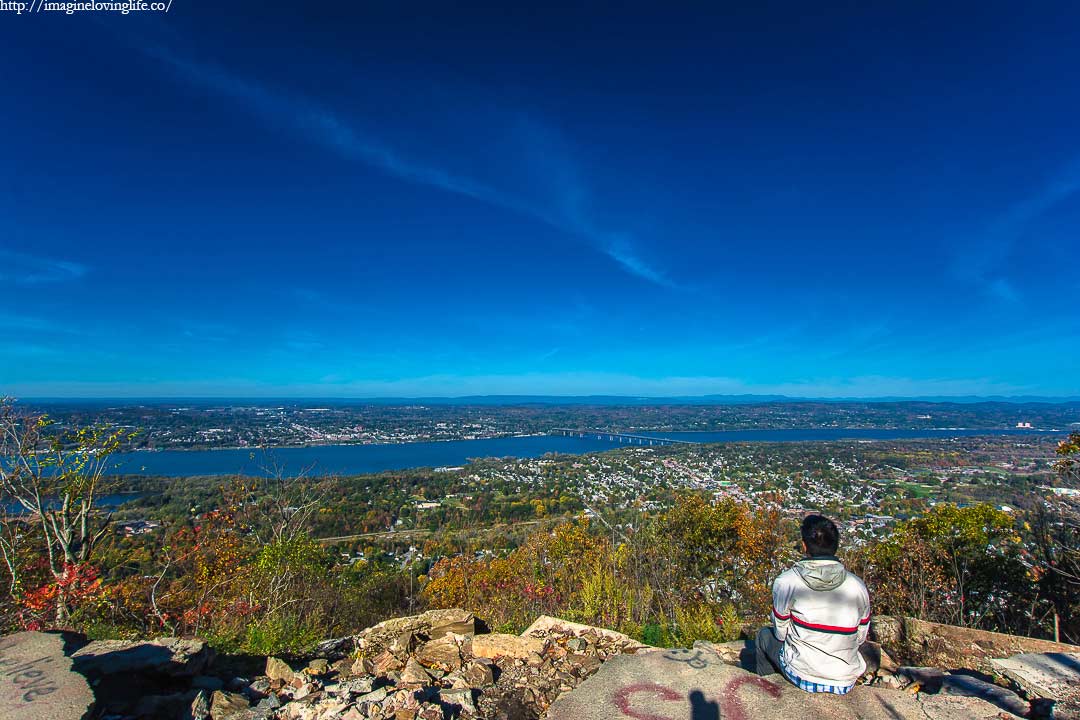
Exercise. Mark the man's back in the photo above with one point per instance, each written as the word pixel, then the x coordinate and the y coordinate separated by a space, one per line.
pixel 821 614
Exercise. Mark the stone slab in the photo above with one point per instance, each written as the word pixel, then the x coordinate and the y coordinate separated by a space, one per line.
pixel 1052 676
pixel 697 684
pixel 432 625
pixel 917 642
pixel 545 626
pixel 176 657
pixel 970 686
pixel 497 645
pixel 37 682
pixel 740 653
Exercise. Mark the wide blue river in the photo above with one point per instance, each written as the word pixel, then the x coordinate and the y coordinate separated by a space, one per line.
pixel 360 459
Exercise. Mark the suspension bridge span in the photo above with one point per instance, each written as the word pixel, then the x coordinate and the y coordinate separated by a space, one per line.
pixel 628 438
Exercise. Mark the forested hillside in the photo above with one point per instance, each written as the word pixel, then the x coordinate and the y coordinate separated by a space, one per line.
pixel 276 564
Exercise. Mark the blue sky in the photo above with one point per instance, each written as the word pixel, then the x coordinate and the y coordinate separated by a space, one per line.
pixel 373 199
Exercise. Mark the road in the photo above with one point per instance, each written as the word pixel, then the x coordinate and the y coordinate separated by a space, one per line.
pixel 406 533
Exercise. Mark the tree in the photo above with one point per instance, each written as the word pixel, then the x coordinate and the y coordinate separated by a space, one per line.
pixel 1055 544
pixel 53 478
pixel 957 565
pixel 1068 467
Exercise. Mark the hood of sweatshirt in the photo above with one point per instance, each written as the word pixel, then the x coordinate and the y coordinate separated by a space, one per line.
pixel 821 574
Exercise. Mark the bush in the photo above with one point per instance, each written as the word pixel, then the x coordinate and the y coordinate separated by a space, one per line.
pixel 955 565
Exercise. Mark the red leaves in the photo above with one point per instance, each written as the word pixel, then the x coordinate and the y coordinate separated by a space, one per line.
pixel 78 583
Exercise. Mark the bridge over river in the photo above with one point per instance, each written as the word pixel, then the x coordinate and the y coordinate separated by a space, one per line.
pixel 619 437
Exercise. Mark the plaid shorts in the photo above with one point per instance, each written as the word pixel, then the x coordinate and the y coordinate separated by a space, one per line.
pixel 812 687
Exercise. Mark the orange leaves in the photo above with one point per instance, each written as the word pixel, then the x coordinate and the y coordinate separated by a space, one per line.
pixel 1068 467
pixel 211 567
pixel 79 584
pixel 534 579
pixel 689 562
pixel 1070 445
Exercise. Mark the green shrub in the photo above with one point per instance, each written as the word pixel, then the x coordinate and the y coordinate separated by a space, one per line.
pixel 704 621
pixel 282 636
pixel 652 634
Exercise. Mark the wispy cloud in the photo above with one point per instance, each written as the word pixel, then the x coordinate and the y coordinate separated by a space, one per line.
pixel 1004 290
pixel 9 321
pixel 621 251
pixel 24 269
pixel 549 354
pixel 568 199
pixel 16 348
pixel 564 211
pixel 984 261
pixel 540 384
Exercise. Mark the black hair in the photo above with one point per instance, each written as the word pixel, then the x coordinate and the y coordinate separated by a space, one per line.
pixel 820 535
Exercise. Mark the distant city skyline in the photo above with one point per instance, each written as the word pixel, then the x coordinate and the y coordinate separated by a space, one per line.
pixel 363 201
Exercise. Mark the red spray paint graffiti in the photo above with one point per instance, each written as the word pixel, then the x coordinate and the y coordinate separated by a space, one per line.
pixel 622 699
pixel 730 704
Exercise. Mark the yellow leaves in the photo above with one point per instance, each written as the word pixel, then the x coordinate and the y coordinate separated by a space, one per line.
pixel 1069 465
pixel 1070 445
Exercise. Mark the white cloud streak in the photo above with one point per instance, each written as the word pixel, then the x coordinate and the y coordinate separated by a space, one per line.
pixel 34 324
pixel 585 383
pixel 983 261
pixel 323 126
pixel 24 269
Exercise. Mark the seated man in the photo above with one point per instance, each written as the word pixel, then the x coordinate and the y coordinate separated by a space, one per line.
pixel 821 615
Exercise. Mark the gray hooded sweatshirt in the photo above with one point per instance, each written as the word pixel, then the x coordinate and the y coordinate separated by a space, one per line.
pixel 821 614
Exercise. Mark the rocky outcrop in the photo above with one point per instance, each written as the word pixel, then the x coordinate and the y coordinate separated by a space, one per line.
pixel 422 668
pixel 169 656
pixel 916 642
pixel 1051 680
pixel 678 684
pixel 432 625
pixel 546 626
pixel 37 682
pixel 161 678
pixel 497 645
pixel 441 666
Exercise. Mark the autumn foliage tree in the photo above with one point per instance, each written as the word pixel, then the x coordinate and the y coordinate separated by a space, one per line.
pixel 956 565
pixel 50 481
pixel 1055 542
pixel 687 574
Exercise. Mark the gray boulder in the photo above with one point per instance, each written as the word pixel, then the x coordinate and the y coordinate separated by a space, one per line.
pixel 685 684
pixel 1052 678
pixel 37 681
pixel 173 657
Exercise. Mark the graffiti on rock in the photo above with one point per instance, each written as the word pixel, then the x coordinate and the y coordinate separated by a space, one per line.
pixel 626 694
pixel 730 704
pixel 696 660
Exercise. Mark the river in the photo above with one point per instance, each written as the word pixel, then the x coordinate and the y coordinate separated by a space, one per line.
pixel 360 459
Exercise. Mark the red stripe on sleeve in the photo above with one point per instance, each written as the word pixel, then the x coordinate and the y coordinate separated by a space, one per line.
pixel 824 628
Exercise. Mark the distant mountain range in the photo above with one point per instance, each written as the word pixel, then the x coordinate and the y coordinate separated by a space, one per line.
pixel 707 400
pixel 570 400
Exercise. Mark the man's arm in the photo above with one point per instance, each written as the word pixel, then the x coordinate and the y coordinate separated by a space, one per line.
pixel 864 615
pixel 782 594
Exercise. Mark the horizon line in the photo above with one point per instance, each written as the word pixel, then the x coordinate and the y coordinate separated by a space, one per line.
pixel 682 399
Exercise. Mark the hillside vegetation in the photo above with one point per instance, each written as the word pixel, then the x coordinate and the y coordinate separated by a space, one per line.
pixel 238 563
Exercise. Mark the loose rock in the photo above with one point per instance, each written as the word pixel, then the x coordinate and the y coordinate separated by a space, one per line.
pixel 277 669
pixel 174 657
pixel 498 645
pixel 226 704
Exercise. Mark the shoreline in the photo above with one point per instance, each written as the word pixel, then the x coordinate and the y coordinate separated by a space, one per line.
pixel 658 434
